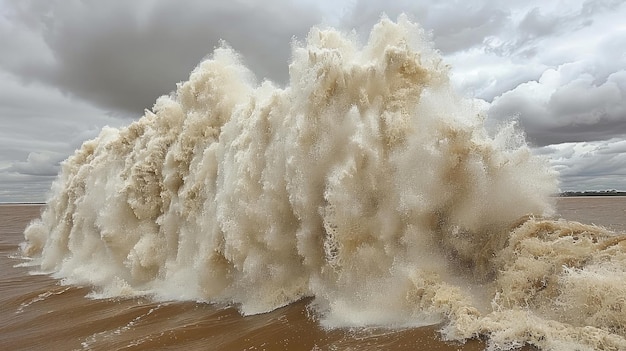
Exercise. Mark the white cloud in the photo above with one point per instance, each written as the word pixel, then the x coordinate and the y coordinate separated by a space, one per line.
pixel 567 105
pixel 45 163
pixel 597 165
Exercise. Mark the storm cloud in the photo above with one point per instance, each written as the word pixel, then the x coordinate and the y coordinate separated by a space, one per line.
pixel 122 55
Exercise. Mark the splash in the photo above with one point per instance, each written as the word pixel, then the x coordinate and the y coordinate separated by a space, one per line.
pixel 366 184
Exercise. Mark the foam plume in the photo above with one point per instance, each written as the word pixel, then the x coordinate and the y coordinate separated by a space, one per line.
pixel 366 183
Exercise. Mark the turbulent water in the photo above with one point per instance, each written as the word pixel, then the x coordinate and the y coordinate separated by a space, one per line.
pixel 366 185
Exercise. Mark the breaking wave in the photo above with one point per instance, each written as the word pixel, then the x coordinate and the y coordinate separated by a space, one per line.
pixel 366 184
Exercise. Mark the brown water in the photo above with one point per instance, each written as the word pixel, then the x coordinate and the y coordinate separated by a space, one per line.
pixel 607 211
pixel 37 312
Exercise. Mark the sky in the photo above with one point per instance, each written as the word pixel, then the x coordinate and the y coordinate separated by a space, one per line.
pixel 70 67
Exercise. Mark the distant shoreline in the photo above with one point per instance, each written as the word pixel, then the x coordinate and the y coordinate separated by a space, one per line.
pixel 592 193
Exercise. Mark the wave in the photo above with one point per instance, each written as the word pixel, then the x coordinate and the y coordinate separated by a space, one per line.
pixel 367 184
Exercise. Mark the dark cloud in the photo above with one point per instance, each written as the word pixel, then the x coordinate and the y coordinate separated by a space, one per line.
pixel 122 55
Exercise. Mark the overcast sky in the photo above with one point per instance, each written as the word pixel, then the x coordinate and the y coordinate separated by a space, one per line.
pixel 67 68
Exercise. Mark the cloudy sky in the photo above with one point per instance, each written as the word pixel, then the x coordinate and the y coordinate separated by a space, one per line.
pixel 69 67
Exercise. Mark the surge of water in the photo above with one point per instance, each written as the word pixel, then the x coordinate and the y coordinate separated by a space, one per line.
pixel 366 183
